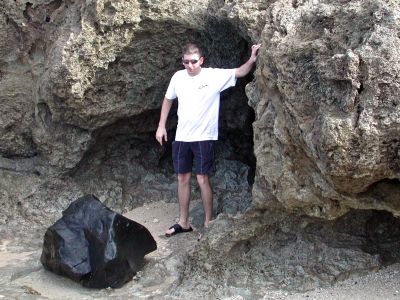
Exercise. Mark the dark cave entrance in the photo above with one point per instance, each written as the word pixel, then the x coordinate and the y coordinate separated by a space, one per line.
pixel 126 151
pixel 372 231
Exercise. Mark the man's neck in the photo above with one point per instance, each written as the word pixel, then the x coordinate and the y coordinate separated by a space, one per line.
pixel 194 74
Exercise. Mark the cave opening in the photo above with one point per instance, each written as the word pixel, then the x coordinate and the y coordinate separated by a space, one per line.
pixel 373 232
pixel 126 165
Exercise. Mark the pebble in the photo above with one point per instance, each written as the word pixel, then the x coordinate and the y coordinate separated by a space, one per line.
pixel 208 266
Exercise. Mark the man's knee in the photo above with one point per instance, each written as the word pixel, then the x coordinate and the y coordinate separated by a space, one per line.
pixel 184 177
pixel 202 179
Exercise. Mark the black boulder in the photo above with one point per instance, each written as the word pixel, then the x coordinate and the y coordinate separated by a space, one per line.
pixel 95 246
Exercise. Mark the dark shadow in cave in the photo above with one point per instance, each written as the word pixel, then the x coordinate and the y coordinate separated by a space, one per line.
pixel 384 193
pixel 372 231
pixel 225 48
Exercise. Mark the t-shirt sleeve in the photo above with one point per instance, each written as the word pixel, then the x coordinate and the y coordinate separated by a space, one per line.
pixel 225 78
pixel 171 90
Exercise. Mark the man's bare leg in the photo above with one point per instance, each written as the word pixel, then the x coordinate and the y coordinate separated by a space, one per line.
pixel 184 199
pixel 206 197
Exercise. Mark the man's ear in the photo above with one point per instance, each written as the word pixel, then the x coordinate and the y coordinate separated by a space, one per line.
pixel 201 60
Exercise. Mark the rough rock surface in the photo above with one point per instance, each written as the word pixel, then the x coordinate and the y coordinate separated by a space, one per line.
pixel 327 97
pixel 81 84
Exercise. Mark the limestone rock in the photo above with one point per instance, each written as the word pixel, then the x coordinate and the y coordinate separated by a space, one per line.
pixel 325 97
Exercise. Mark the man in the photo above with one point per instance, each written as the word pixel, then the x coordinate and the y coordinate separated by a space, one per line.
pixel 198 91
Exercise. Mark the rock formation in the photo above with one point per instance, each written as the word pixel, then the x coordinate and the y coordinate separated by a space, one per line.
pixel 81 85
pixel 328 98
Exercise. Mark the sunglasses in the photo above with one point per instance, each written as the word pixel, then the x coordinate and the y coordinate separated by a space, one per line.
pixel 192 61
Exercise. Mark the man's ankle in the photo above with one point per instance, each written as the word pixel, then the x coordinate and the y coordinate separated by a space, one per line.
pixel 184 224
pixel 208 223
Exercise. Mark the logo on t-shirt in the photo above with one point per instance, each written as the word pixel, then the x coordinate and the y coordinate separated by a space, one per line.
pixel 202 86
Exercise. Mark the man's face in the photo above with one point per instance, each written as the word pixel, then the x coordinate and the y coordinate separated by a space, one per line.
pixel 192 63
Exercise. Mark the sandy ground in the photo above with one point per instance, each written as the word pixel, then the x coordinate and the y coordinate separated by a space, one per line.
pixel 157 217
pixel 381 285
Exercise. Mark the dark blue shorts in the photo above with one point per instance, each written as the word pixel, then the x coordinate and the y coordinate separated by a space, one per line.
pixel 184 154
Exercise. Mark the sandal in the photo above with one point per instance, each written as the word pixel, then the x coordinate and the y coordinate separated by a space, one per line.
pixel 178 229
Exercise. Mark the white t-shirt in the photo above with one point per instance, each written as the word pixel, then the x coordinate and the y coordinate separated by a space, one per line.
pixel 198 102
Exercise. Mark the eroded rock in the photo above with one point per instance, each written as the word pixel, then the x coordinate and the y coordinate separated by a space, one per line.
pixel 326 95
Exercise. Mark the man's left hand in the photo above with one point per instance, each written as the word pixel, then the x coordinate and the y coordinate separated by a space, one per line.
pixel 254 52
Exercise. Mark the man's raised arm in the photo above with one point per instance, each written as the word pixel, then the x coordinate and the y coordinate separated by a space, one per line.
pixel 244 69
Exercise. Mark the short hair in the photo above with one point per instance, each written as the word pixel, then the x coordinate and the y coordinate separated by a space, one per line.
pixel 192 48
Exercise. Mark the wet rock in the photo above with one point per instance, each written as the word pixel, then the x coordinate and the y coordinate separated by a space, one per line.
pixel 95 246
